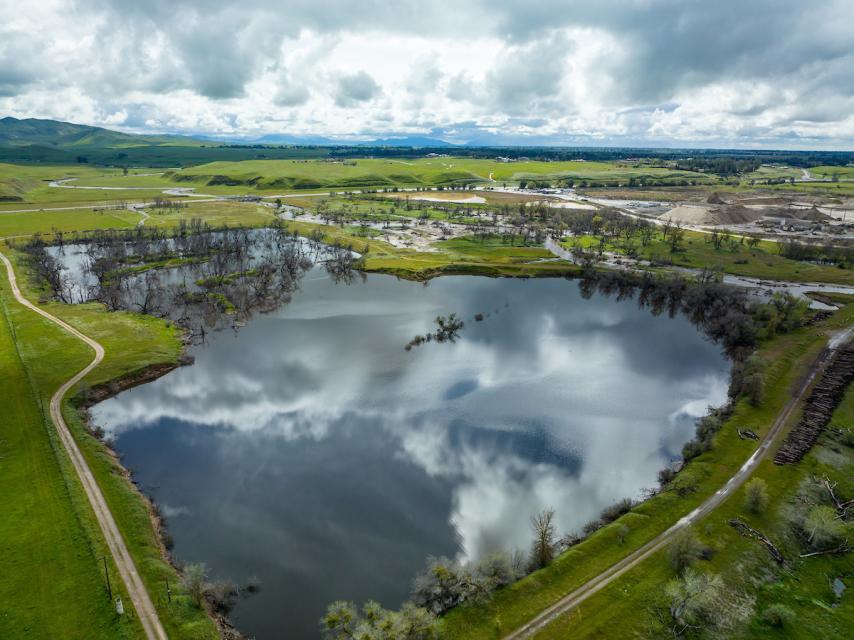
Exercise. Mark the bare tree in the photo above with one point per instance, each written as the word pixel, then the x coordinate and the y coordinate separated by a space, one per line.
pixel 194 582
pixel 544 538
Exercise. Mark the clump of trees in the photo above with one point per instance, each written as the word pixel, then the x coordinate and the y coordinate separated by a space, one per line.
pixel 838 252
pixel 344 621
pixel 219 276
pixel 697 602
pixel 685 549
pixel 747 379
pixel 445 583
pixel 48 269
pixel 220 596
pixel 820 518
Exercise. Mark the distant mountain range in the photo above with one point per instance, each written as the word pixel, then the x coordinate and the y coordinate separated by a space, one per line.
pixel 320 141
pixel 65 135
pixel 406 141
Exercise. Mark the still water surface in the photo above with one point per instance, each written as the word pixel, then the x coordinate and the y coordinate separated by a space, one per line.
pixel 312 451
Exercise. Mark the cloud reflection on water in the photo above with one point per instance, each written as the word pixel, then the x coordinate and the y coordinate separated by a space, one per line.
pixel 551 401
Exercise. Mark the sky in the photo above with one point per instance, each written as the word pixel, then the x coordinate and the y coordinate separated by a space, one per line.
pixel 723 73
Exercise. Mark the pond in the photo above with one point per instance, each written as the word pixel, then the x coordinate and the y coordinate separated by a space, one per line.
pixel 311 450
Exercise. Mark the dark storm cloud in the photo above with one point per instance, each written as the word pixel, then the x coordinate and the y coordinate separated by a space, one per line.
pixel 679 43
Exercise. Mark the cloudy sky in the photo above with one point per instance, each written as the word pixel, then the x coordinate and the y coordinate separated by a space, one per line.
pixel 765 73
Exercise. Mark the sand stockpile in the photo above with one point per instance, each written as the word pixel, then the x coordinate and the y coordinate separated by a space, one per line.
pixel 687 214
pixel 732 214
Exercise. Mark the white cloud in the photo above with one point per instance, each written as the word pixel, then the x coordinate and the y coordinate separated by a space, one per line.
pixel 770 73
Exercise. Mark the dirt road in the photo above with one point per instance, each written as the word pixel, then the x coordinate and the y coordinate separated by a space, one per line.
pixel 572 600
pixel 127 569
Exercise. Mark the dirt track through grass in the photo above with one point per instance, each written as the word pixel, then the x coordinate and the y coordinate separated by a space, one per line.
pixel 136 589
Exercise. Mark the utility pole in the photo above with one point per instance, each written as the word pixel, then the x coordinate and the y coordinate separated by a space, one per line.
pixel 107 574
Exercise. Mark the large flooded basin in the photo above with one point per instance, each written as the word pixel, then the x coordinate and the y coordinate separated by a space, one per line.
pixel 312 451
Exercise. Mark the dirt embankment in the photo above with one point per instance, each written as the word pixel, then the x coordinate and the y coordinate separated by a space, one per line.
pixel 100 392
pixel 740 212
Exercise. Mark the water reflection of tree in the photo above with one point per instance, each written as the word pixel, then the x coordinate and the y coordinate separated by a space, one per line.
pixel 199 277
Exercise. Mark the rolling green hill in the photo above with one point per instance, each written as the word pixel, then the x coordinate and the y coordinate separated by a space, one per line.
pixel 53 133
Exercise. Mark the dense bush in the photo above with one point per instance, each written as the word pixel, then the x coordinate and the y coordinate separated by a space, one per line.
pixel 445 583
pixel 343 621
pixel 756 495
pixel 685 549
pixel 778 615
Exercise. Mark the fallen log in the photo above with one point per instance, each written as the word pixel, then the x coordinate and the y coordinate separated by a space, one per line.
pixel 749 532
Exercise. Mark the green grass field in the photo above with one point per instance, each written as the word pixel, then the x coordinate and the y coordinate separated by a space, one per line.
pixel 843 173
pixel 52 583
pixel 48 356
pixel 271 175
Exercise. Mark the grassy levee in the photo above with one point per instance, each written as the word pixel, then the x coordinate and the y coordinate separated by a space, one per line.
pixel 132 343
pixel 696 251
pixel 51 549
pixel 804 586
pixel 788 359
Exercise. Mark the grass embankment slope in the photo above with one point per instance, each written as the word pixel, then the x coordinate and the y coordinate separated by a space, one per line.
pixel 623 605
pixel 28 186
pixel 50 356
